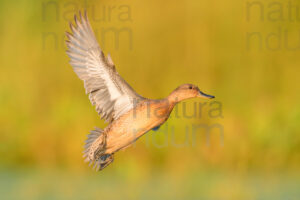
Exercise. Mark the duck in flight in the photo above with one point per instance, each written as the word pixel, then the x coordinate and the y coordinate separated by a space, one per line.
pixel 129 114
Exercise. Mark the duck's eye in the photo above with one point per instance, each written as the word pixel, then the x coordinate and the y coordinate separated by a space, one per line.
pixel 191 87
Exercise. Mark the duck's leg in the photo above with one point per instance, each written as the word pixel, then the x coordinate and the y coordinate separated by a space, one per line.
pixel 156 128
pixel 103 161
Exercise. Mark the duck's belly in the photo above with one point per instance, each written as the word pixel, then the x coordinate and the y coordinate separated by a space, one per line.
pixel 129 127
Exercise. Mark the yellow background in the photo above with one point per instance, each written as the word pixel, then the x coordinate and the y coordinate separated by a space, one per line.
pixel 45 115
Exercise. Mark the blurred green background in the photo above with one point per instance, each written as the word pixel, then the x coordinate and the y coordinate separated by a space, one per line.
pixel 246 53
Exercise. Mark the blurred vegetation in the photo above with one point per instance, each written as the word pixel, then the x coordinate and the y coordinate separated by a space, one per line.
pixel 45 114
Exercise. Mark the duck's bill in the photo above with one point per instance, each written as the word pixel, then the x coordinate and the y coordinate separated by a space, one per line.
pixel 205 96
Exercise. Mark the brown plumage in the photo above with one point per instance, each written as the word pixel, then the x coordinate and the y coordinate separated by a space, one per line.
pixel 129 114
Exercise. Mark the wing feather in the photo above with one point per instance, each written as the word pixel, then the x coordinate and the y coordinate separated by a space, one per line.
pixel 108 92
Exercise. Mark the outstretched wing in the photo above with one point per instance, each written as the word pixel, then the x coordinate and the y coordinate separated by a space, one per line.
pixel 111 95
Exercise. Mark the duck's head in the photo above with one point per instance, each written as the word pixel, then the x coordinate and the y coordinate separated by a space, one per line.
pixel 188 91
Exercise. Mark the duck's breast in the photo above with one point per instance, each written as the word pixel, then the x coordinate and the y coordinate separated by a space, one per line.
pixel 135 123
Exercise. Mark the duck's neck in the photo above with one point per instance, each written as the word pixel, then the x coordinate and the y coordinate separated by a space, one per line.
pixel 174 98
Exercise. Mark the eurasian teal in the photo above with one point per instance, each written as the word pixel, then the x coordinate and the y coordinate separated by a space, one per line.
pixel 129 114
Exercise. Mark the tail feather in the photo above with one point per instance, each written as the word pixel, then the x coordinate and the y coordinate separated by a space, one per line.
pixel 94 150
